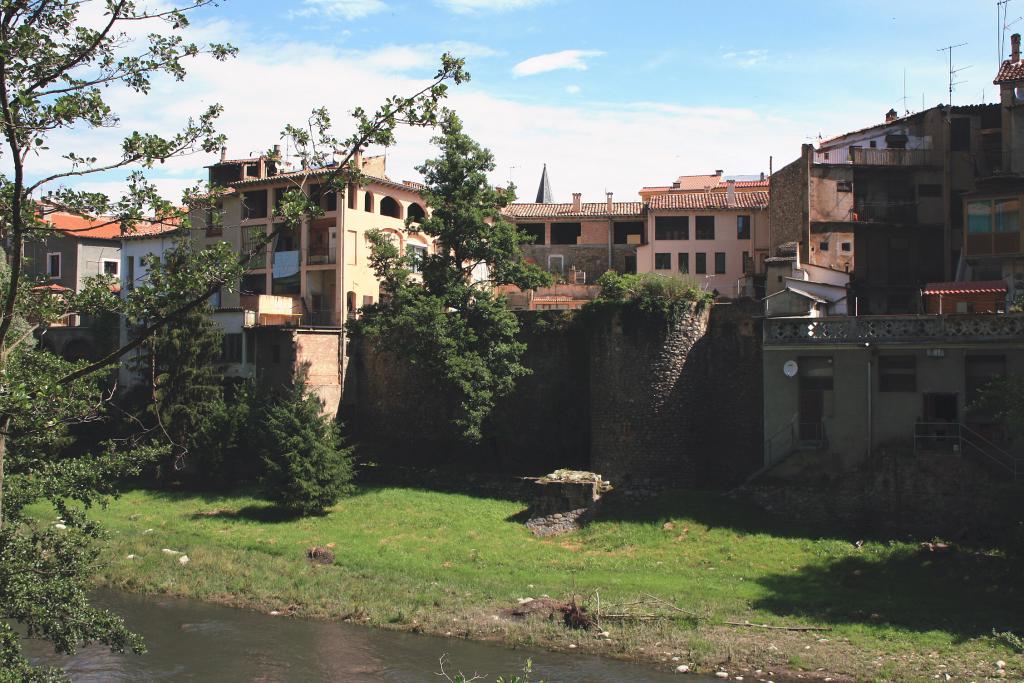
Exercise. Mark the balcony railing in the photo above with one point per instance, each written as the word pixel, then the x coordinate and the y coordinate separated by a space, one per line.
pixel 901 328
pixel 316 256
pixel 871 156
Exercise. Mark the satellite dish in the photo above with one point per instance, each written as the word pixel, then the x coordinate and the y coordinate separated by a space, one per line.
pixel 790 368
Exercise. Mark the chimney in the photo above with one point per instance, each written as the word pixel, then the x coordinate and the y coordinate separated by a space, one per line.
pixel 762 175
pixel 1015 48
pixel 577 202
pixel 357 159
pixel 730 192
pixel 223 153
pixel 609 198
pixel 718 172
pixel 891 116
pixel 277 152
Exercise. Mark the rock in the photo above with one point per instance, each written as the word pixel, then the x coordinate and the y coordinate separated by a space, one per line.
pixel 274 613
pixel 168 551
pixel 525 601
pixel 682 668
pixel 60 526
pixel 675 659
pixel 183 560
pixel 721 674
pixel 132 557
pixel 148 531
pixel 572 646
pixel 1000 664
pixel 320 555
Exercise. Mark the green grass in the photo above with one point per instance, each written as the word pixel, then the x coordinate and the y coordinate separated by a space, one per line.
pixel 447 564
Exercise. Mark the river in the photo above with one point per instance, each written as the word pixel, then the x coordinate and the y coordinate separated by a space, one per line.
pixel 195 641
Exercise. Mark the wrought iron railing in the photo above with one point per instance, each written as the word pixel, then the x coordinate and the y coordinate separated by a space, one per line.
pixel 904 328
pixel 956 437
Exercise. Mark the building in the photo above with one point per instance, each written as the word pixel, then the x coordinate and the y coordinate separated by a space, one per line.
pixel 77 248
pixel 836 388
pixel 717 235
pixel 886 203
pixel 298 292
pixel 580 241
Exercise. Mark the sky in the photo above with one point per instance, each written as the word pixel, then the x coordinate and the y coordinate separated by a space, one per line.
pixel 611 95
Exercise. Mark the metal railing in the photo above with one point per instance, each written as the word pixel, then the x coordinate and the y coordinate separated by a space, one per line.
pixel 872 156
pixel 956 437
pixel 904 328
pixel 781 443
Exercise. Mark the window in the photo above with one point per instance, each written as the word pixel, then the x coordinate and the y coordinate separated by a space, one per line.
pixel 629 264
pixel 671 227
pixel 1007 215
pixel 53 265
pixel 368 202
pixel 232 348
pixel 565 233
pixel 253 284
pixel 873 144
pixel 897 373
pixel 663 261
pixel 719 263
pixel 534 230
pixel 416 254
pixel 278 198
pixel 214 221
pixel 367 300
pixel 254 205
pixel 111 267
pixel 556 264
pixel 823 246
pixel 929 190
pixel 960 135
pixel 416 213
pixel 705 227
pixel 629 232
pixel 684 262
pixel 979 217
pixel 700 263
pixel 390 207
pixel 351 247
pixel 743 227
pixel 131 273
pixel 845 246
pixel 844 186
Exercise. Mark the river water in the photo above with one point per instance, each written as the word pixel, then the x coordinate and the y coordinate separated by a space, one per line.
pixel 195 641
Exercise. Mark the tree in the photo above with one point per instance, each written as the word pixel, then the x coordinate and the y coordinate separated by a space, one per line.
pixel 449 321
pixel 56 72
pixel 188 387
pixel 306 468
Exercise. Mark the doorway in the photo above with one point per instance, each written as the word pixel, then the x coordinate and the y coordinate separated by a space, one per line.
pixel 941 408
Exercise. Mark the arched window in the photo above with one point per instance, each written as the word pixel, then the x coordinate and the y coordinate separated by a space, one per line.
pixel 416 213
pixel 390 207
pixel 350 301
pixel 368 202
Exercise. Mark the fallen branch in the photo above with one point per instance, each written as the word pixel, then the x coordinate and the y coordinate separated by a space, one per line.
pixel 778 628
pixel 672 607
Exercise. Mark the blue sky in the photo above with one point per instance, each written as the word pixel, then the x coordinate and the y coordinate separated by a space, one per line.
pixel 611 95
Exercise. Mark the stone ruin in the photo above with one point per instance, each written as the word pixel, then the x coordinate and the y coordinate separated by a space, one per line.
pixel 565 501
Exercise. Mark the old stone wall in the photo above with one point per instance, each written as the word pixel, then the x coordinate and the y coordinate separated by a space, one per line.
pixel 938 495
pixel 788 205
pixel 612 390
pixel 644 396
pixel 590 258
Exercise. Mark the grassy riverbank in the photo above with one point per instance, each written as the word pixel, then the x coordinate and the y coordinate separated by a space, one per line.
pixel 454 564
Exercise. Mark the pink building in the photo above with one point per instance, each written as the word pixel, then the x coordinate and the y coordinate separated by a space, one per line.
pixel 717 235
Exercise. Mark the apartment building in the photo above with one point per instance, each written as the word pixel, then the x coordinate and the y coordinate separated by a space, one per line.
pixel 297 293
pixel 712 230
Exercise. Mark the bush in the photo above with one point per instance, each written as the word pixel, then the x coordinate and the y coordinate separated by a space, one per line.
pixel 661 295
pixel 306 469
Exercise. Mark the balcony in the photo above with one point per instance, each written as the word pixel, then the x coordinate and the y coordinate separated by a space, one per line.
pixel 319 256
pixel 901 212
pixel 871 156
pixel 861 330
pixel 263 310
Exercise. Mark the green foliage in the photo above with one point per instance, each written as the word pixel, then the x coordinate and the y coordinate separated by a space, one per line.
pixel 306 469
pixel 1003 398
pixel 1010 639
pixel 446 321
pixel 657 295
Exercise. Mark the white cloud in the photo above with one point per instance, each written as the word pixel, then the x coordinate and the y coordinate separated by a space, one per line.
pixel 747 58
pixel 553 61
pixel 424 56
pixel 464 6
pixel 349 9
pixel 572 89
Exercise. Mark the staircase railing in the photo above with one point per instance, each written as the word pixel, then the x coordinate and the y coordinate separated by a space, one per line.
pixel 958 437
pixel 781 442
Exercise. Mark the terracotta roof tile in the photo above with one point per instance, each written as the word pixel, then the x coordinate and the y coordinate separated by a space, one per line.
pixel 103 227
pixel 587 209
pixel 710 200
pixel 979 287
pixel 1009 72
pixel 407 185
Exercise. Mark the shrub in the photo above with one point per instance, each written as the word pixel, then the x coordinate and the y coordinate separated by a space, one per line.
pixel 660 295
pixel 306 469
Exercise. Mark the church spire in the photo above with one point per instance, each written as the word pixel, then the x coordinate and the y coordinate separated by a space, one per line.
pixel 544 191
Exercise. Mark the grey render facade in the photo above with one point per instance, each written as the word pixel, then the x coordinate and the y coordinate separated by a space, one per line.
pixel 77 258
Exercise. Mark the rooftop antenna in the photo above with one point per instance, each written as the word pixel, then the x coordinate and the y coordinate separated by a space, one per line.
pixel 510 168
pixel 953 72
pixel 906 109
pixel 1002 8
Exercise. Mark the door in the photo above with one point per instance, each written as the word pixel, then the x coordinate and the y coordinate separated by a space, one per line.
pixel 815 394
pixel 940 430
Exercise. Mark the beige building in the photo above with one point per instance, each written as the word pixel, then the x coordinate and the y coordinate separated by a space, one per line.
pixel 310 279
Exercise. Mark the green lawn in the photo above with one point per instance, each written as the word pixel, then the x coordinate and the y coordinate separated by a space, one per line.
pixel 447 564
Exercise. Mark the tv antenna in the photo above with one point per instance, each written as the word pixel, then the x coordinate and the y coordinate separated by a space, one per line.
pixel 953 72
pixel 1002 8
pixel 906 110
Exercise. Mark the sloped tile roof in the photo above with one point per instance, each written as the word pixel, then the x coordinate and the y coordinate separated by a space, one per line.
pixel 587 209
pixel 710 200
pixel 979 287
pixel 1010 71
pixel 103 227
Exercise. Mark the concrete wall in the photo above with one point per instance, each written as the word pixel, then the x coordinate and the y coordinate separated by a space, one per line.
pixel 36 260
